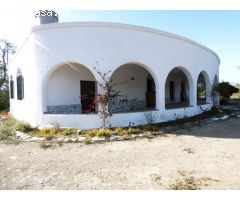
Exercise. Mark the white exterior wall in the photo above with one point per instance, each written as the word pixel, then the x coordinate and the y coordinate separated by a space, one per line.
pixel 112 45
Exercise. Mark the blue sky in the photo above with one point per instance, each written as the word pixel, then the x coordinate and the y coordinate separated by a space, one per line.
pixel 218 30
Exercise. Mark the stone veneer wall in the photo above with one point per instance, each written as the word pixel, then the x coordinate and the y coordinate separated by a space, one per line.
pixel 64 109
pixel 127 105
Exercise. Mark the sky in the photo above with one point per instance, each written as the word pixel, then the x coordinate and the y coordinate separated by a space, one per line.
pixel 218 30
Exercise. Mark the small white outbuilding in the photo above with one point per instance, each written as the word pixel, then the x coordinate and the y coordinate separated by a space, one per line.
pixel 173 76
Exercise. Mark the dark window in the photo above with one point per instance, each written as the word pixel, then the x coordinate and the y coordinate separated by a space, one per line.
pixel 20 87
pixel 11 89
pixel 151 94
pixel 172 91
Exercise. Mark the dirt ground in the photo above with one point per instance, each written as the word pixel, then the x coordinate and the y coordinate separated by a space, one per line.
pixel 210 154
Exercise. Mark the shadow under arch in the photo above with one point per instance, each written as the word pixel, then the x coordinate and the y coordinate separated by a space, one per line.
pixel 138 87
pixel 179 88
pixel 203 88
pixel 63 85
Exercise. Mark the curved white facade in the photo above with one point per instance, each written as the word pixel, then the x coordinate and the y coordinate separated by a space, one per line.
pixel 56 57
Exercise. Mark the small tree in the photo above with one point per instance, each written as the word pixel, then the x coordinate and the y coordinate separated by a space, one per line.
pixel 106 94
pixel 6 48
pixel 225 90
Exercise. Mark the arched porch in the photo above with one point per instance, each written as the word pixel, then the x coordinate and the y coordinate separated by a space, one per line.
pixel 70 89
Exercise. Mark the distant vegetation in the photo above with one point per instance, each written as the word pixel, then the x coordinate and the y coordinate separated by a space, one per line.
pixel 236 95
pixel 226 90
pixel 6 49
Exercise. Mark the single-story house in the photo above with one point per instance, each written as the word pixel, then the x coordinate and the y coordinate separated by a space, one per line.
pixel 173 76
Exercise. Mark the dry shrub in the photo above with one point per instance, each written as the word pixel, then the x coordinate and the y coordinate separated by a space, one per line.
pixel 24 127
pixel 189 150
pixel 68 131
pixel 45 145
pixel 98 132
pixel 104 133
pixel 87 141
pixel 127 131
pixel 45 132
pixel 188 183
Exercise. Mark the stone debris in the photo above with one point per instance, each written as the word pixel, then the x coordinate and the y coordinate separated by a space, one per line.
pixel 220 118
pixel 19 134
pixel 214 118
pixel 74 139
pixel 134 136
pixel 98 139
pixel 81 139
pixel 60 139
pixel 224 117
pixel 33 139
pixel 115 138
pixel 66 139
pixel 25 137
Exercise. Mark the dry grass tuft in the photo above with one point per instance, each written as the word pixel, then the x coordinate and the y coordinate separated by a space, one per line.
pixel 87 141
pixel 127 131
pixel 189 150
pixel 45 145
pixel 188 183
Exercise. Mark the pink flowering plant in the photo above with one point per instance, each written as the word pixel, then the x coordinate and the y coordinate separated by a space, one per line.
pixel 106 94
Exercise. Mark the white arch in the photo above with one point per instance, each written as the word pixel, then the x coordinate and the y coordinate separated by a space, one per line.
pixel 73 65
pixel 207 85
pixel 147 69
pixel 189 79
pixel 141 65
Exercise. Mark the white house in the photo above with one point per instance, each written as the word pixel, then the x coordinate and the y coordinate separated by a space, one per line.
pixel 173 75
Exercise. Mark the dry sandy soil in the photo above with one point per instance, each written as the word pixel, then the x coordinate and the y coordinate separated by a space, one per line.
pixel 210 154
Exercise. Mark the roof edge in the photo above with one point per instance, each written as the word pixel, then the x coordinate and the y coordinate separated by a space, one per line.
pixel 123 26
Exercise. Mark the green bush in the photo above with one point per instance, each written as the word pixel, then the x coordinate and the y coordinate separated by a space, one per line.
pixel 5 132
pixel 23 127
pixel 226 90
pixel 4 100
pixel 7 128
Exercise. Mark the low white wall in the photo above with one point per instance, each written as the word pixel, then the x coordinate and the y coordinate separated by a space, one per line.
pixel 82 122
pixel 93 121
pixel 173 114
